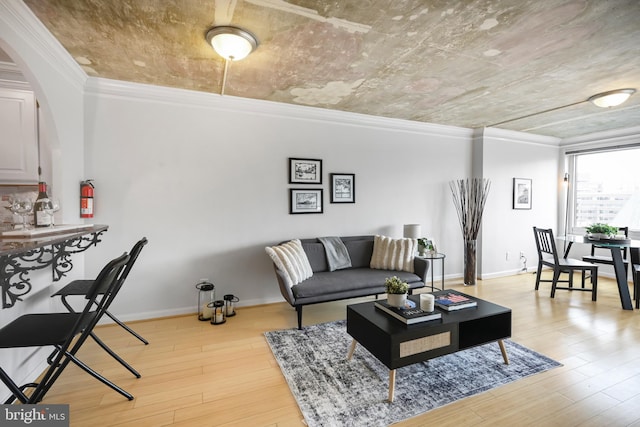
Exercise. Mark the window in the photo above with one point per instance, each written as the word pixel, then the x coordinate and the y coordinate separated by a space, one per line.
pixel 605 188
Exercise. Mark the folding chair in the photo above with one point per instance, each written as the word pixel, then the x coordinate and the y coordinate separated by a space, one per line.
pixel 59 330
pixel 81 287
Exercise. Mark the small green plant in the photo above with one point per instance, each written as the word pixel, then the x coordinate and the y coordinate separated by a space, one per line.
pixel 393 285
pixel 602 228
pixel 423 242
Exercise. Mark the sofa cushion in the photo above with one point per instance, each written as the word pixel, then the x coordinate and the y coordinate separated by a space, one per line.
pixel 360 252
pixel 393 254
pixel 316 255
pixel 291 259
pixel 334 282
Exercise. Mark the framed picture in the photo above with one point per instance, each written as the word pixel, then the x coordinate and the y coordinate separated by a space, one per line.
pixel 343 188
pixel 305 200
pixel 305 171
pixel 521 193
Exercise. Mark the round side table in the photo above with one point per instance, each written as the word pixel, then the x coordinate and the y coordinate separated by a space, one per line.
pixel 433 257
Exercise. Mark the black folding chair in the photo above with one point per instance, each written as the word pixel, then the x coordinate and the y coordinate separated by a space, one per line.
pixel 59 330
pixel 81 287
pixel 548 256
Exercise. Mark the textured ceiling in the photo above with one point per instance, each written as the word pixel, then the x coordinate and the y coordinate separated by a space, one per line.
pixel 471 63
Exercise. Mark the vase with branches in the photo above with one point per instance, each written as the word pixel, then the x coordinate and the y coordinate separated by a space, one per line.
pixel 469 197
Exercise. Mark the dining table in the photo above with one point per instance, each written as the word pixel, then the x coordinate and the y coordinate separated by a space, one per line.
pixel 615 246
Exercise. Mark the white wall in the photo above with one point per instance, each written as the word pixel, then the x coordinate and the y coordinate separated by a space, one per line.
pixel 204 178
pixel 507 155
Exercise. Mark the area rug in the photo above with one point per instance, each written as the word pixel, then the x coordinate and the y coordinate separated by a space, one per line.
pixel 334 392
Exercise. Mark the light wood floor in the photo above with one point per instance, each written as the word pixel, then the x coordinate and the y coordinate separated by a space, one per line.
pixel 197 374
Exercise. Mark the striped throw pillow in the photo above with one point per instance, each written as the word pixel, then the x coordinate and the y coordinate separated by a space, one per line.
pixel 393 254
pixel 290 258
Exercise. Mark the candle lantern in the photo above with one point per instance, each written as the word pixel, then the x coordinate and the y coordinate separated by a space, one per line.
pixel 230 305
pixel 206 295
pixel 217 312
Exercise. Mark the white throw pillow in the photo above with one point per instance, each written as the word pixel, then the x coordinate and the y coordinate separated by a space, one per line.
pixel 393 254
pixel 290 258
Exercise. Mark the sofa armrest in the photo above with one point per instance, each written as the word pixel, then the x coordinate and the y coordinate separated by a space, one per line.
pixel 421 267
pixel 284 289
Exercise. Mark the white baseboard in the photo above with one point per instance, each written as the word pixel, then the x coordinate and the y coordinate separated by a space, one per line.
pixel 147 315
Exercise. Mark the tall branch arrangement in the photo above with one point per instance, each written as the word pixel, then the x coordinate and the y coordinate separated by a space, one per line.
pixel 469 197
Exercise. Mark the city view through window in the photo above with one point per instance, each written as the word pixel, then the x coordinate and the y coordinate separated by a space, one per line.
pixel 607 189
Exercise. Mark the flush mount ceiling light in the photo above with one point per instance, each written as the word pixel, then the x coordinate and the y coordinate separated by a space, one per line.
pixel 611 98
pixel 608 99
pixel 232 43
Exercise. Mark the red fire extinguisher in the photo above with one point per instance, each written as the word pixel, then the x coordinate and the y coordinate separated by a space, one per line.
pixel 86 199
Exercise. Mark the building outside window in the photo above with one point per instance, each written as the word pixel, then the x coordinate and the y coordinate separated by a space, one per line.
pixel 605 188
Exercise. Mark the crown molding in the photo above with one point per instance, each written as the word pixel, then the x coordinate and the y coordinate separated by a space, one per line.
pixel 15 85
pixel 138 91
pixel 19 18
pixel 616 136
pixel 11 72
pixel 520 137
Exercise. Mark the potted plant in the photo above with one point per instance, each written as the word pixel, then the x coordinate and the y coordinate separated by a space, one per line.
pixel 396 291
pixel 424 246
pixel 602 231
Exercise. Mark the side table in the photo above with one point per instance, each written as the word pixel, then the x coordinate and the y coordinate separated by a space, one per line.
pixel 432 258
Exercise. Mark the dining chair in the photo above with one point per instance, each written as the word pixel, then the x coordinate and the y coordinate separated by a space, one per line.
pixel 635 270
pixel 596 256
pixel 60 331
pixel 81 288
pixel 548 257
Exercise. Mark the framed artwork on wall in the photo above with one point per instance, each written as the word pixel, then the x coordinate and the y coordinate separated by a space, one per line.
pixel 305 171
pixel 343 187
pixel 521 193
pixel 305 200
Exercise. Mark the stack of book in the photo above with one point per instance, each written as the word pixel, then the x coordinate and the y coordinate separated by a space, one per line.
pixel 453 300
pixel 408 314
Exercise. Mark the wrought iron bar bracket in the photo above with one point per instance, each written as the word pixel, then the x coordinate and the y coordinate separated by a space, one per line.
pixel 16 267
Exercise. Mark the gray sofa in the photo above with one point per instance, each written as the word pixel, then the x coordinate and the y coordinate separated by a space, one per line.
pixel 357 281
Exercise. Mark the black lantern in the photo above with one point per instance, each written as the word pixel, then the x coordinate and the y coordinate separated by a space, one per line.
pixel 217 312
pixel 206 295
pixel 230 305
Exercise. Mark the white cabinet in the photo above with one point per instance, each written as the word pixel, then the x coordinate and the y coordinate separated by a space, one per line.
pixel 18 143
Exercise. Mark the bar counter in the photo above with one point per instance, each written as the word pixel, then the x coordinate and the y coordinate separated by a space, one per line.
pixel 21 254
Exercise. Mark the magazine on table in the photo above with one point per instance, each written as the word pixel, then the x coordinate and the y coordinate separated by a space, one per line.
pixel 408 314
pixel 452 301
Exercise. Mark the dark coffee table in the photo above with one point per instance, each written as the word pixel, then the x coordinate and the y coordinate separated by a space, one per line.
pixel 396 344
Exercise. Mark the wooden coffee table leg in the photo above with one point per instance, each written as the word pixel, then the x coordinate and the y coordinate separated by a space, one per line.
pixel 504 352
pixel 392 384
pixel 352 349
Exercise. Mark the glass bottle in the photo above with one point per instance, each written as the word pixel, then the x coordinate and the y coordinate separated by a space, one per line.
pixel 42 207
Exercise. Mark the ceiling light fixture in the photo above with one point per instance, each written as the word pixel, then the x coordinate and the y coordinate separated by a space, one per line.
pixel 611 98
pixel 231 43
pixel 604 100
